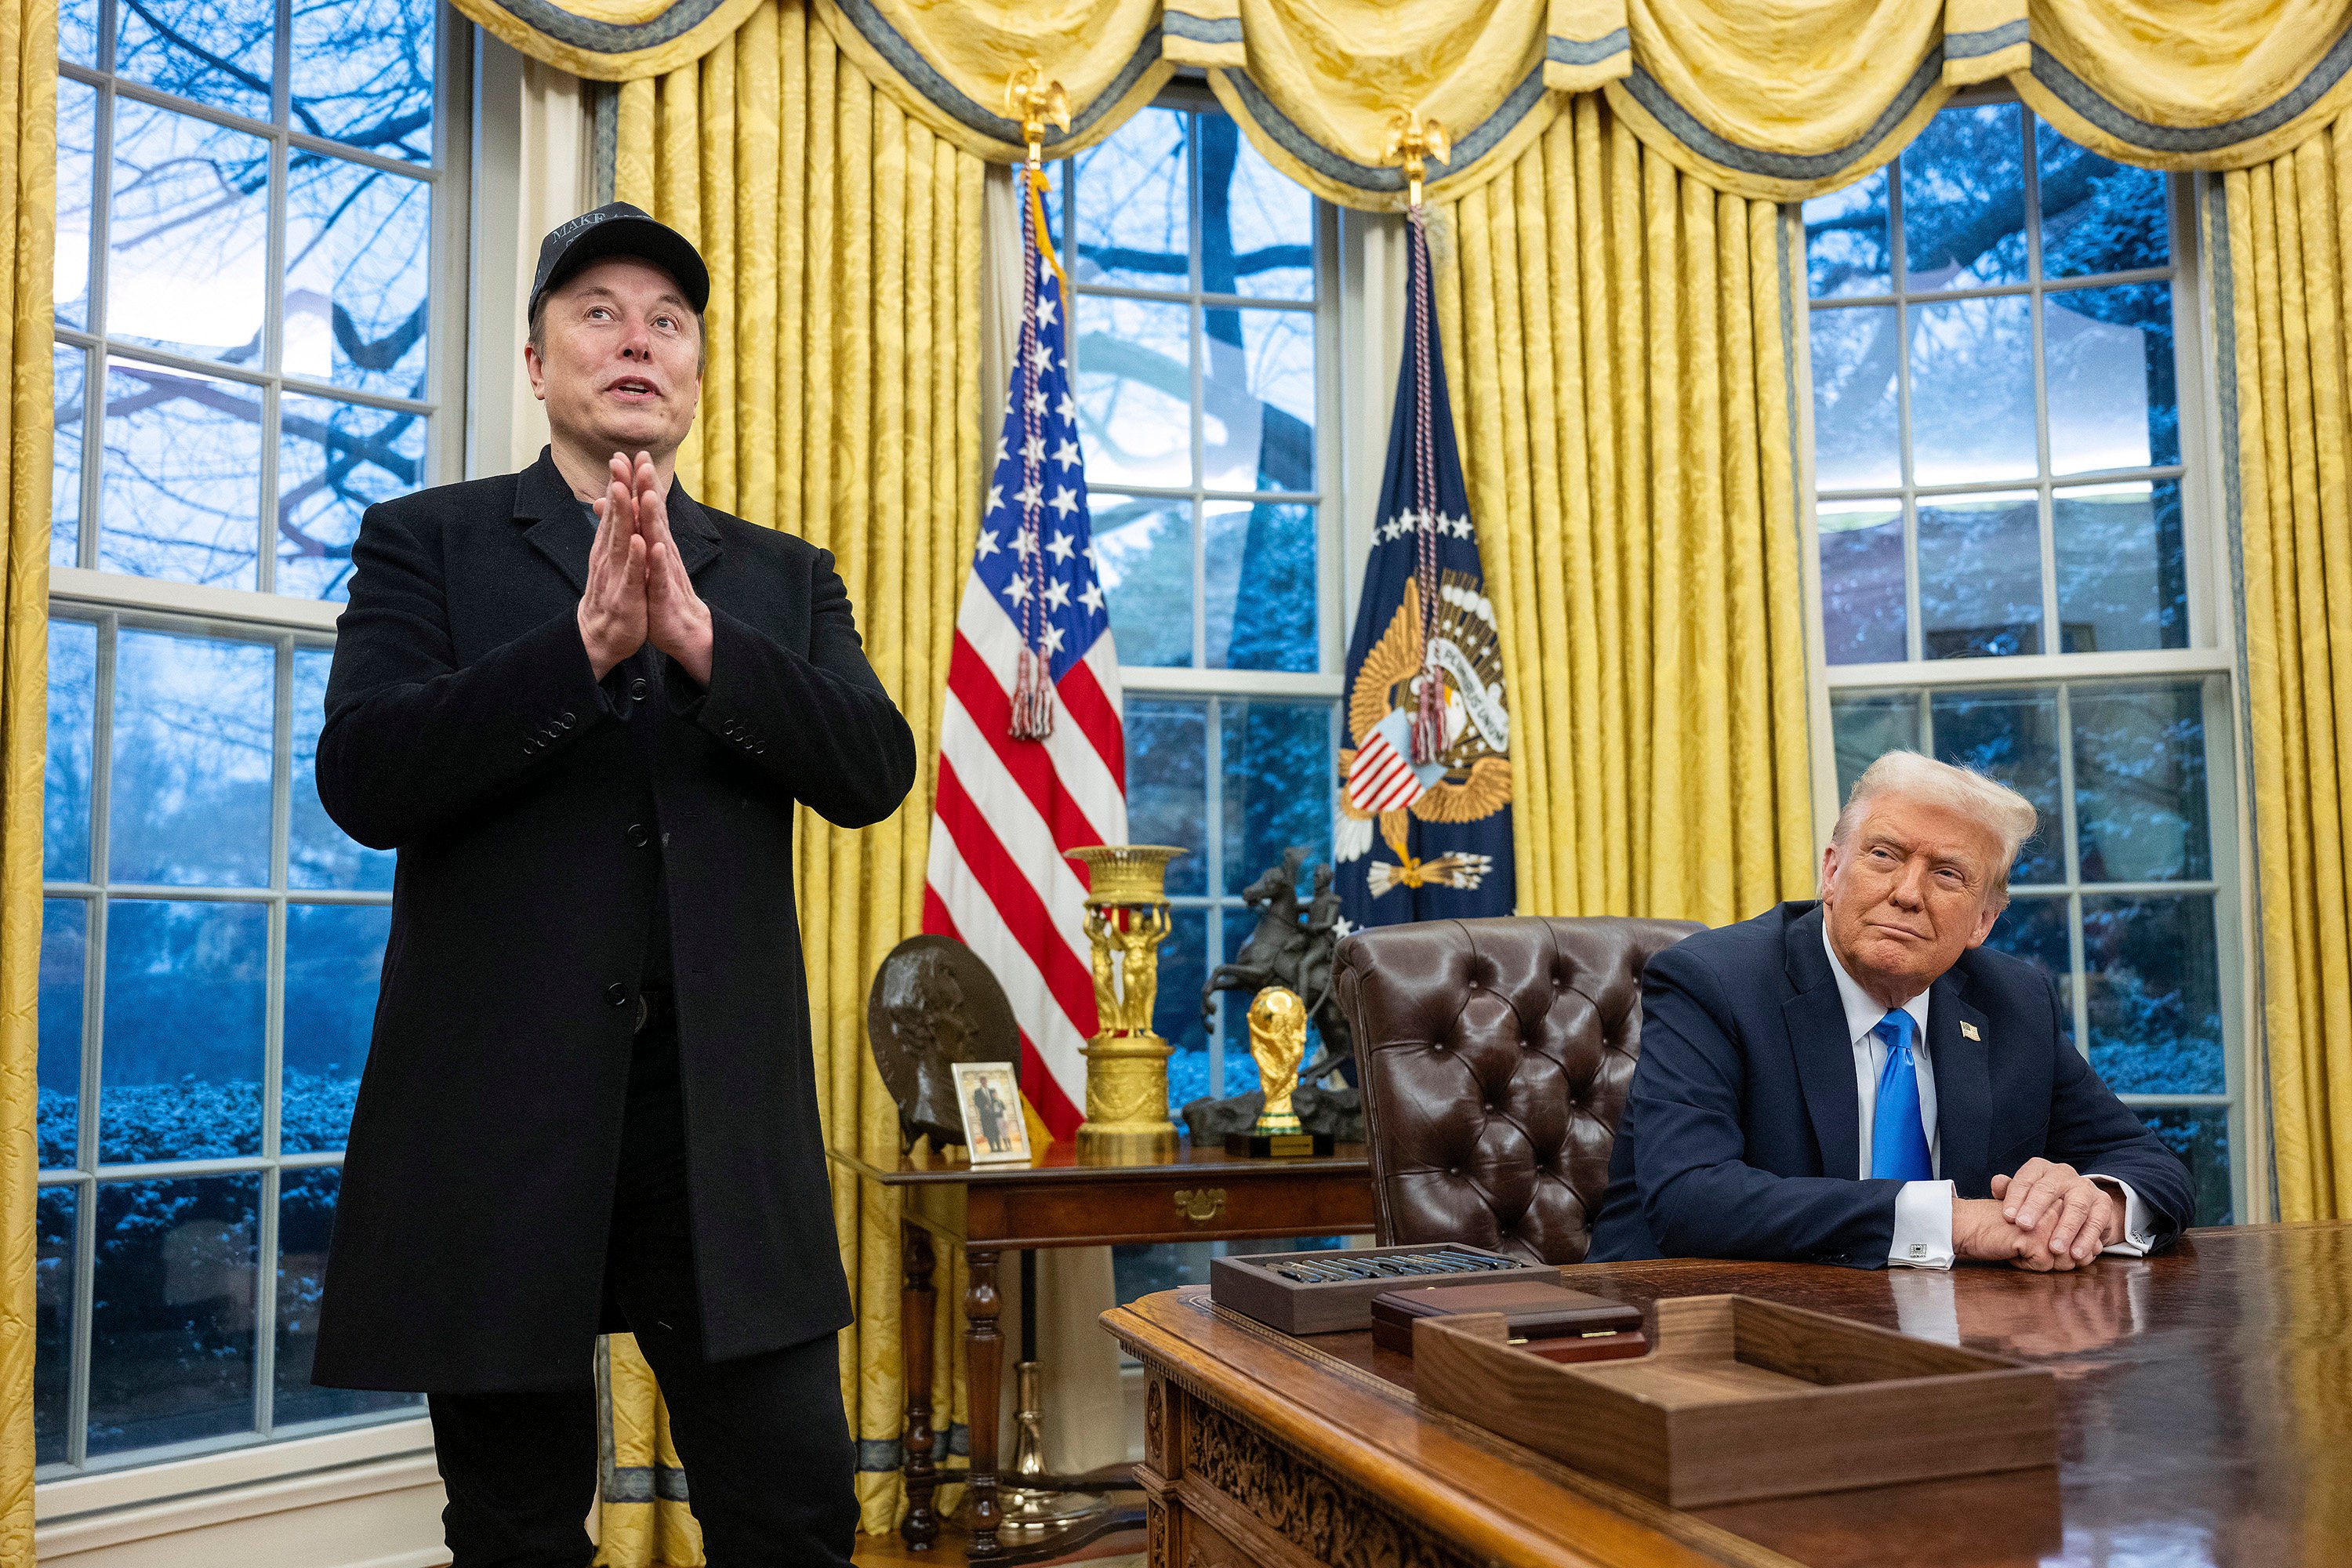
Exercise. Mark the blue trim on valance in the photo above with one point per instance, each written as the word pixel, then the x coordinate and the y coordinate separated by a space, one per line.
pixel 2078 95
pixel 1467 149
pixel 609 37
pixel 1587 51
pixel 1687 129
pixel 920 74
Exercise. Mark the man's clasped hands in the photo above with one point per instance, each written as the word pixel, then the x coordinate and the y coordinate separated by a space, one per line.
pixel 639 590
pixel 2047 1217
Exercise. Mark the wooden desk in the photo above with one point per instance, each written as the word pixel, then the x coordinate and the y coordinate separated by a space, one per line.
pixel 2205 1402
pixel 1055 1200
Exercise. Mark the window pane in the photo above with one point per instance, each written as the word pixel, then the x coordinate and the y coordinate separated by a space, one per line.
pixel 363 73
pixel 194 736
pixel 1867 728
pixel 1279 783
pixel 2035 929
pixel 180 493
pixel 334 461
pixel 1232 1007
pixel 171 1352
pixel 305 1217
pixel 77 192
pixel 2155 992
pixel 215 51
pixel 1972 391
pixel 1257 400
pixel 73 698
pixel 1143 550
pixel 1257 227
pixel 1259 566
pixel 1846 250
pixel 1863 607
pixel 1979 576
pixel 2097 216
pixel 2123 574
pixel 2115 401
pixel 77 32
pixel 1855 434
pixel 70 369
pixel 187 246
pixel 1964 200
pixel 65 970
pixel 2199 1134
pixel 2140 782
pixel 1135 392
pixel 358 261
pixel 1176 1010
pixel 1168 785
pixel 2012 736
pixel 1132 206
pixel 182 1062
pixel 318 853
pixel 334 958
pixel 53 1329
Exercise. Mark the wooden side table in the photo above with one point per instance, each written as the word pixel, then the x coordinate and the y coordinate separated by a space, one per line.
pixel 1054 1201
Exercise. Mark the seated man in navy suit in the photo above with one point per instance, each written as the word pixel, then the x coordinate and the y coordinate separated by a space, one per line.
pixel 1861 1081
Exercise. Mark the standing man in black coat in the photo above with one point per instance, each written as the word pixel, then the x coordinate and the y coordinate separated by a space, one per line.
pixel 583 709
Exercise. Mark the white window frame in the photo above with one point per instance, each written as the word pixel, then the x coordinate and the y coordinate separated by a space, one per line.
pixel 109 1484
pixel 1334 554
pixel 2211 653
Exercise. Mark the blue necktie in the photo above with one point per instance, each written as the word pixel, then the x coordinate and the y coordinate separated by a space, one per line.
pixel 1898 1135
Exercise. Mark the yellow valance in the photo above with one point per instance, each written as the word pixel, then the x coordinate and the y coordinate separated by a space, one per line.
pixel 610 41
pixel 1777 99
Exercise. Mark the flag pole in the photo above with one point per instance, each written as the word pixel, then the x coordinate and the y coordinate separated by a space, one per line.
pixel 1413 141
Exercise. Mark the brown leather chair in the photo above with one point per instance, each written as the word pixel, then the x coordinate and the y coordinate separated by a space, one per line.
pixel 1495 1056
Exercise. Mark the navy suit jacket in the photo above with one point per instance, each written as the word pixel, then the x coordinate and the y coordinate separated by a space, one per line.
pixel 1741 1134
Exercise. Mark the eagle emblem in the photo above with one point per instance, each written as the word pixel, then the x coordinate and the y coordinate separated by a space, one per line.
pixel 1470 779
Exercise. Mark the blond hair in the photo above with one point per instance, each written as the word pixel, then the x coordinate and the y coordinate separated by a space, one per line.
pixel 2008 816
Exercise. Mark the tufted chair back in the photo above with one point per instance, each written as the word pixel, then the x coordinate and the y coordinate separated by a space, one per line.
pixel 1495 1056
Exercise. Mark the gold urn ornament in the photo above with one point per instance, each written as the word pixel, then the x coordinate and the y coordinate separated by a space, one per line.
pixel 1127 1063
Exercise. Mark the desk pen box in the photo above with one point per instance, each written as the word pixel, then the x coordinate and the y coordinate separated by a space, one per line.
pixel 1331 1292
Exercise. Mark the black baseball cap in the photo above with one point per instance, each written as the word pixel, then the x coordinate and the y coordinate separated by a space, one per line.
pixel 617 228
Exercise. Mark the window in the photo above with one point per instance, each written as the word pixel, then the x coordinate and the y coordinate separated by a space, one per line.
pixel 1201 315
pixel 2010 575
pixel 257 217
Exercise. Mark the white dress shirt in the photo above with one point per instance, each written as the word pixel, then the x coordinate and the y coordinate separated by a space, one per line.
pixel 1923 1210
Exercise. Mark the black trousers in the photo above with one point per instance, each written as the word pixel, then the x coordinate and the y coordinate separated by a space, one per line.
pixel 765 1447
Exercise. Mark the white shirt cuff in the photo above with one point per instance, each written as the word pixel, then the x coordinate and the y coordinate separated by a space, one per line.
pixel 1922 1227
pixel 2139 1235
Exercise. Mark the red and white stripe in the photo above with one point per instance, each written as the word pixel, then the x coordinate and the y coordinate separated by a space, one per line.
pixel 1382 778
pixel 1006 811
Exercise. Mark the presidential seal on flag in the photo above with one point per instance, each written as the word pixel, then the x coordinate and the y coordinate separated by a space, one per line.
pixel 1424 828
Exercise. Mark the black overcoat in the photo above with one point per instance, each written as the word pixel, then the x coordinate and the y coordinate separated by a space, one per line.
pixel 533 808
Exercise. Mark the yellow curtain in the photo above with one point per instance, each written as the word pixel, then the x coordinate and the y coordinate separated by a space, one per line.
pixel 2280 235
pixel 28 185
pixel 1615 334
pixel 842 403
pixel 610 41
pixel 947 66
pixel 1316 82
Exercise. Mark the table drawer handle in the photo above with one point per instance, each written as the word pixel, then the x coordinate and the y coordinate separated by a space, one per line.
pixel 1199 1204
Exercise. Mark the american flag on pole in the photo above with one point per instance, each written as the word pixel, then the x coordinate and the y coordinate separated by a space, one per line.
pixel 1032 756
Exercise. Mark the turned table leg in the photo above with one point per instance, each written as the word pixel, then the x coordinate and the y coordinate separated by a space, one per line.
pixel 915 1320
pixel 983 1352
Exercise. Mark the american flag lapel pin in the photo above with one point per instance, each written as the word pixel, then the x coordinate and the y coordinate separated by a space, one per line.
pixel 1969 1031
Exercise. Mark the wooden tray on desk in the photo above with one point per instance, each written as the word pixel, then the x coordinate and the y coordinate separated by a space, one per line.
pixel 1741 1398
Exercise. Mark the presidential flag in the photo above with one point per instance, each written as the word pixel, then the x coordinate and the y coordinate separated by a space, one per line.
pixel 1032 758
pixel 1424 827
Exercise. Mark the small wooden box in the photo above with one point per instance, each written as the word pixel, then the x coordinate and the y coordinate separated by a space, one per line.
pixel 1742 1399
pixel 1251 1286
pixel 1536 1311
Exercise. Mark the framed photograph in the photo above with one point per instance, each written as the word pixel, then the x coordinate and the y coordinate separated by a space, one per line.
pixel 994 1128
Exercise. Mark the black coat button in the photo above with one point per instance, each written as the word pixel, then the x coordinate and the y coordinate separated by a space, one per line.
pixel 567 721
pixel 616 993
pixel 637 686
pixel 637 835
